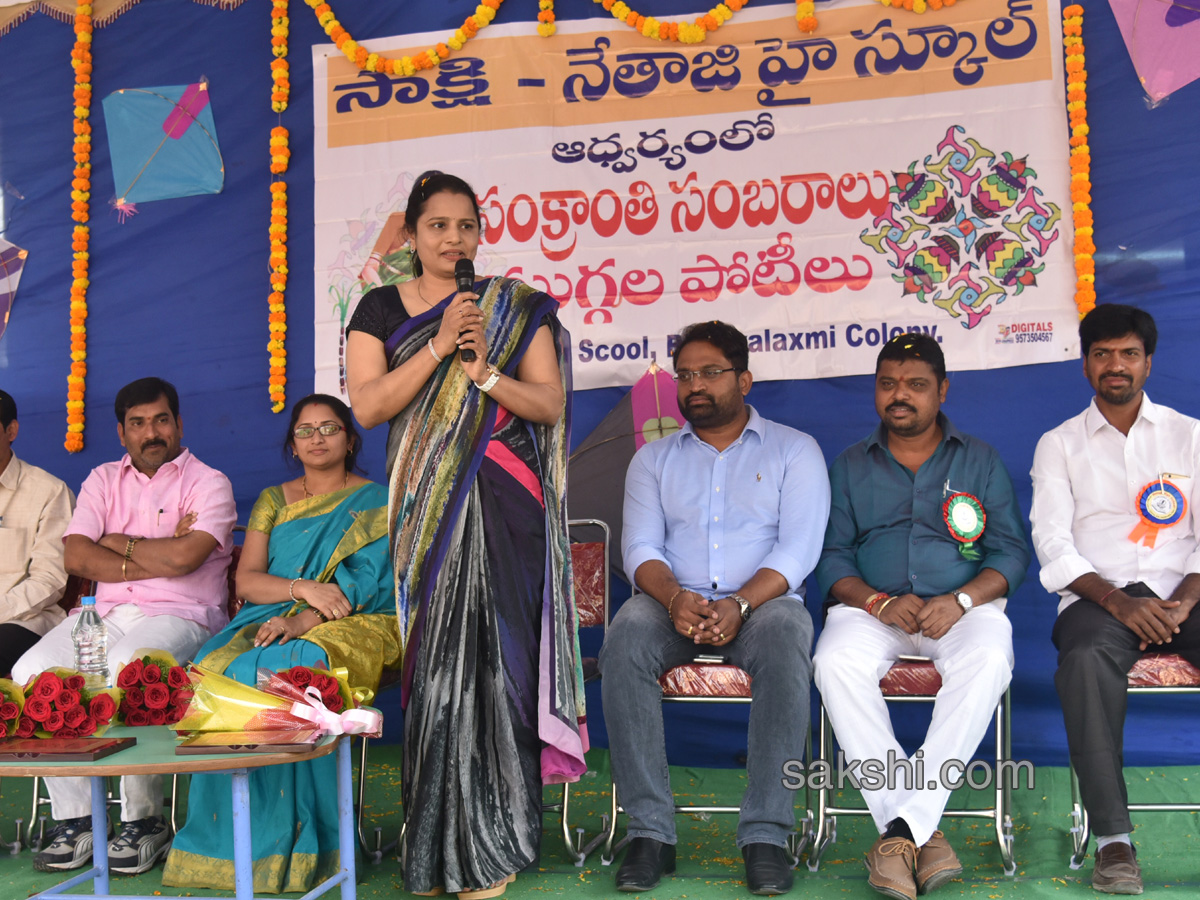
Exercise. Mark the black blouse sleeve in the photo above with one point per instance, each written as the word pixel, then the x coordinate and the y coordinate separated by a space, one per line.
pixel 379 313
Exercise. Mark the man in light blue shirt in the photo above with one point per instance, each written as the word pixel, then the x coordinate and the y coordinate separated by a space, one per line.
pixel 723 521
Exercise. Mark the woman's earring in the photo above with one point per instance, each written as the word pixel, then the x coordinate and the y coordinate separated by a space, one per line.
pixel 414 262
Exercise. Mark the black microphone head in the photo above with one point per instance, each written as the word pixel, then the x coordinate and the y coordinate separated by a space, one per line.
pixel 464 275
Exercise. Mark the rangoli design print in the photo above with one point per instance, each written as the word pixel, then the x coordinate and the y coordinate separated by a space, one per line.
pixel 967 229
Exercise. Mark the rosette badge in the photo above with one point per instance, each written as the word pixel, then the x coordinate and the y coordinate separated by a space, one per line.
pixel 1160 505
pixel 966 519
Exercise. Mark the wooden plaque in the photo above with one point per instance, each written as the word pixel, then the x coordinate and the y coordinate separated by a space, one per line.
pixel 62 749
pixel 206 742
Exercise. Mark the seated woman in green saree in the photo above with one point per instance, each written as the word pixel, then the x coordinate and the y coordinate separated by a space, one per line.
pixel 316 576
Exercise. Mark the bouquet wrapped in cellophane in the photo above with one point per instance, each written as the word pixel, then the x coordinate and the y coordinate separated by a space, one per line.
pixel 220 703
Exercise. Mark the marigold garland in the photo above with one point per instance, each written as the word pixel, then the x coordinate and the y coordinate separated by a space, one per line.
pixel 806 16
pixel 279 68
pixel 1081 161
pixel 278 311
pixel 405 65
pixel 81 187
pixel 918 6
pixel 280 154
pixel 683 32
pixel 546 26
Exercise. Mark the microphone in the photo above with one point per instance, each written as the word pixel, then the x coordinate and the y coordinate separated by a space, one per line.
pixel 464 278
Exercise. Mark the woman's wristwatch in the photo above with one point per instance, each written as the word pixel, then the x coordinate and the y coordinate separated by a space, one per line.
pixel 493 377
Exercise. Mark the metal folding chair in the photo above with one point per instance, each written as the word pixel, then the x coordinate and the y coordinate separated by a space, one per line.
pixel 918 681
pixel 1153 674
pixel 590 571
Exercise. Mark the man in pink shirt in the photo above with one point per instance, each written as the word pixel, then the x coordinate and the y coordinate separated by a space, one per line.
pixel 155 531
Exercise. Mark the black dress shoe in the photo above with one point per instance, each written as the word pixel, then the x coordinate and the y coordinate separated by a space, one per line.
pixel 646 862
pixel 768 869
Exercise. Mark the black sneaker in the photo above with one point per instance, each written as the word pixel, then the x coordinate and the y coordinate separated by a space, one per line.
pixel 140 845
pixel 70 846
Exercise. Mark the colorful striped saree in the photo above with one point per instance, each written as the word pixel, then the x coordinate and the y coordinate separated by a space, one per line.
pixel 492 684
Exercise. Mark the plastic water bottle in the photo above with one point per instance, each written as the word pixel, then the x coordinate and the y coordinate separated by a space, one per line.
pixel 90 636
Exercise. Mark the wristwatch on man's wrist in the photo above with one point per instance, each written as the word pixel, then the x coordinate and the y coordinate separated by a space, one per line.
pixel 964 600
pixel 743 605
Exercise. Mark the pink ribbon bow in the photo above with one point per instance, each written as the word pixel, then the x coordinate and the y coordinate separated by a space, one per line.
pixel 353 721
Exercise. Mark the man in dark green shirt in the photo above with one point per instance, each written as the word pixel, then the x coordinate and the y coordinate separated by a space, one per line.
pixel 925 541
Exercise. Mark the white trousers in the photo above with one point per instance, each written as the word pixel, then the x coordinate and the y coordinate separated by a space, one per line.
pixel 975 659
pixel 129 630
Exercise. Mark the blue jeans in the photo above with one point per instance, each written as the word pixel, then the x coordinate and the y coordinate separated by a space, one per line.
pixel 773 645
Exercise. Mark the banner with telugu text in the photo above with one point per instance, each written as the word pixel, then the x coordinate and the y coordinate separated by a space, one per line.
pixel 891 172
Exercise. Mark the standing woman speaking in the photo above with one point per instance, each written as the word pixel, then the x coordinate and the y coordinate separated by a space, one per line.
pixel 476 456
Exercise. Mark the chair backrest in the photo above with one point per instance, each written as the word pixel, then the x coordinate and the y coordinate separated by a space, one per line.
pixel 77 588
pixel 590 571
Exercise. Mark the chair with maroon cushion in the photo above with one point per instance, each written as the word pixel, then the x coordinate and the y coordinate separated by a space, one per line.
pixel 702 682
pixel 590 574
pixel 916 680
pixel 1155 674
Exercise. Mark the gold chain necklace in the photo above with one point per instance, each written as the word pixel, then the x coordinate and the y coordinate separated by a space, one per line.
pixel 307 494
pixel 422 296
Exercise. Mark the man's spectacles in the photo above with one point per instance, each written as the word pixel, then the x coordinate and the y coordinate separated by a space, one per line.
pixel 687 376
pixel 329 429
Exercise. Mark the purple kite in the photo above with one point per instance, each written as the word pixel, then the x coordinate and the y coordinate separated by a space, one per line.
pixel 1163 39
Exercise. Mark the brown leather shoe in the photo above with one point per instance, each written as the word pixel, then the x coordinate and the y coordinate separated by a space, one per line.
pixel 936 864
pixel 890 862
pixel 1117 871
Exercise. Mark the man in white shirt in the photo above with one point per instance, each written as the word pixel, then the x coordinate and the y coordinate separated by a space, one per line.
pixel 1114 525
pixel 35 509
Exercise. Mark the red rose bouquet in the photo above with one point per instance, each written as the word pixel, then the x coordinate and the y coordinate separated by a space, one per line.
pixel 56 703
pixel 298 699
pixel 12 703
pixel 324 698
pixel 333 687
pixel 157 689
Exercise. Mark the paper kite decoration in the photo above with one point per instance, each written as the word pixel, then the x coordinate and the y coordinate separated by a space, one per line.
pixel 163 144
pixel 12 261
pixel 1163 39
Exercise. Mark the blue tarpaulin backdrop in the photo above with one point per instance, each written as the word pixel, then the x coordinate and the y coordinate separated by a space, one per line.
pixel 180 291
